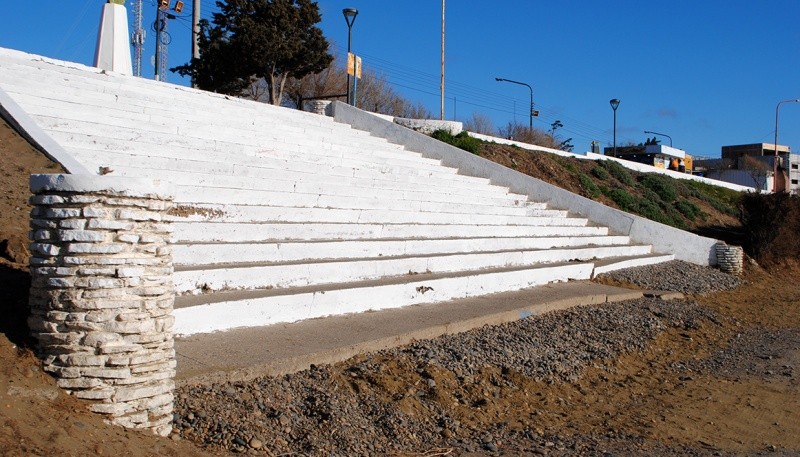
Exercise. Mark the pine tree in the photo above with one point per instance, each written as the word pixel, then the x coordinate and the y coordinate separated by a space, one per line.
pixel 250 40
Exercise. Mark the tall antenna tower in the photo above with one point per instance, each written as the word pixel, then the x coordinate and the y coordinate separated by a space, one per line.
pixel 137 37
pixel 163 38
pixel 163 46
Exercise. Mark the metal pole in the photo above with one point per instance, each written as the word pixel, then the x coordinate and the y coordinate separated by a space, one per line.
pixel 530 112
pixel 614 105
pixel 349 17
pixel 442 82
pixel 615 133
pixel 775 164
pixel 158 43
pixel 349 33
pixel 195 33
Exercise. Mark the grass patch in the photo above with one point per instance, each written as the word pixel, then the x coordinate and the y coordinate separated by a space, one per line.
pixel 689 210
pixel 461 141
pixel 624 200
pixel 600 173
pixel 590 188
pixel 619 172
pixel 661 185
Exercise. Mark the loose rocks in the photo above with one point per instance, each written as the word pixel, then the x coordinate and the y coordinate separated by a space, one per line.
pixel 676 276
pixel 447 396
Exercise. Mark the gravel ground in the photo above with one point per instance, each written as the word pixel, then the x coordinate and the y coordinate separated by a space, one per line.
pixel 677 276
pixel 441 396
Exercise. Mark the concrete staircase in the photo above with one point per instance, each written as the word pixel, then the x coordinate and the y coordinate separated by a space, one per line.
pixel 282 215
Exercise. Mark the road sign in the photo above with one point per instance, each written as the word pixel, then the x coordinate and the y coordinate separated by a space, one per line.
pixel 353 65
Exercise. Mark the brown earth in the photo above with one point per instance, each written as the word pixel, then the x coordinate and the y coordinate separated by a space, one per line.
pixel 745 403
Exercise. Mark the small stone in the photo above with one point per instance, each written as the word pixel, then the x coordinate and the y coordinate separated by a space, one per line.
pixel 256 443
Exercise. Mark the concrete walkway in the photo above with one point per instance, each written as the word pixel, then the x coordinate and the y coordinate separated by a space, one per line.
pixel 244 354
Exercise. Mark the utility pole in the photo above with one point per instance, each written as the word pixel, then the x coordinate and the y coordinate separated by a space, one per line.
pixel 195 32
pixel 442 82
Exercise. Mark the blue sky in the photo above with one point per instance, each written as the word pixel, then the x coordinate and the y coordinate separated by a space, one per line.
pixel 708 73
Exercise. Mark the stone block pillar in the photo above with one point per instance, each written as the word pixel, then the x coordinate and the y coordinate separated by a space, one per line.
pixel 102 294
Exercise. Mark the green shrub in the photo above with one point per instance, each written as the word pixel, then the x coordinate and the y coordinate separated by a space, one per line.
pixel 689 210
pixel 619 172
pixel 651 210
pixel 600 173
pixel 567 165
pixel 624 200
pixel 661 185
pixel 721 199
pixel 592 191
pixel 462 140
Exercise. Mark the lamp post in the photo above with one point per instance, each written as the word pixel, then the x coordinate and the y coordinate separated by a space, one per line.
pixel 614 102
pixel 661 134
pixel 775 165
pixel 530 114
pixel 349 17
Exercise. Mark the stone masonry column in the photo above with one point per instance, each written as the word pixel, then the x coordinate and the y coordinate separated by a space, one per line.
pixel 102 294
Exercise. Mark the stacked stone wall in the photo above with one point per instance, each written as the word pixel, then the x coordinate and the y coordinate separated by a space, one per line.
pixel 102 295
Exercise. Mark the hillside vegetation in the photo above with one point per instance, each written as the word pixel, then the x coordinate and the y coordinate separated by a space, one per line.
pixel 683 204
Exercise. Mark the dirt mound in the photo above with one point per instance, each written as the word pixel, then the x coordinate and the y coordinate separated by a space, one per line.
pixel 772 228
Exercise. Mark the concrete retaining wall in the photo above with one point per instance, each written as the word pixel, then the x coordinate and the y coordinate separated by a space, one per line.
pixel 102 294
pixel 665 239
pixel 428 126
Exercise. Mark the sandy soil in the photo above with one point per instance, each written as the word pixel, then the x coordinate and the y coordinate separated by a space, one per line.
pixel 723 401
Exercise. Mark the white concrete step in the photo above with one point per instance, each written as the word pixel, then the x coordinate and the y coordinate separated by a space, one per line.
pixel 265 152
pixel 618 263
pixel 196 314
pixel 400 212
pixel 295 251
pixel 228 198
pixel 287 275
pixel 207 232
pixel 247 138
pixel 135 94
pixel 94 159
pixel 308 135
pixel 314 185
pixel 296 178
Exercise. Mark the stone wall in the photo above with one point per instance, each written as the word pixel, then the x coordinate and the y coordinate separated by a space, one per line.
pixel 102 294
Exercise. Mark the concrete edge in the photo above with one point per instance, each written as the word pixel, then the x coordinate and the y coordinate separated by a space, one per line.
pixel 342 353
pixel 635 166
pixel 664 239
pixel 115 185
pixel 20 121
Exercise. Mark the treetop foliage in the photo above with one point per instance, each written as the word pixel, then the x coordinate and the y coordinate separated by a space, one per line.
pixel 248 40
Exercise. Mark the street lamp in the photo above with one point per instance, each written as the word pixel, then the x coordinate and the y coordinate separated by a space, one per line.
pixel 661 134
pixel 530 114
pixel 775 165
pixel 349 17
pixel 614 102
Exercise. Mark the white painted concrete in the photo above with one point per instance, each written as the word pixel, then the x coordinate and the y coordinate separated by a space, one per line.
pixel 250 312
pixel 315 273
pixel 113 52
pixel 303 216
pixel 686 246
pixel 294 251
pixel 203 232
